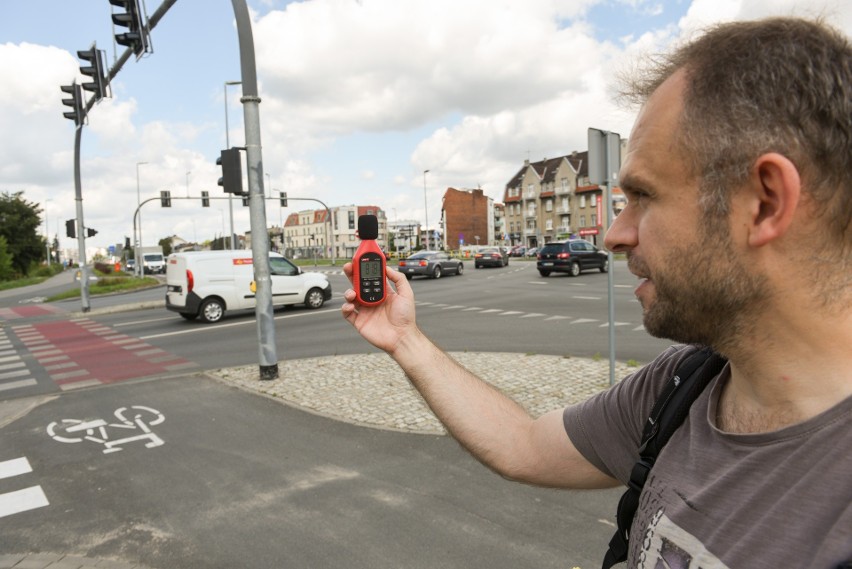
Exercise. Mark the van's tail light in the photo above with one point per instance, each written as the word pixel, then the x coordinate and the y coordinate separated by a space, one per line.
pixel 190 281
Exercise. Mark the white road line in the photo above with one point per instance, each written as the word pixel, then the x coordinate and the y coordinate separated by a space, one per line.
pixel 135 322
pixel 606 325
pixel 537 282
pixel 532 315
pixel 10 374
pixel 9 358
pixel 17 384
pixel 14 467
pixel 219 325
pixel 471 308
pixel 557 318
pixel 22 500
pixel 583 320
pixel 490 310
pixel 13 365
pixel 511 313
pixel 587 297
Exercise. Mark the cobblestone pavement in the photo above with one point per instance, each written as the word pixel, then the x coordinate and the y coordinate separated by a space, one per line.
pixel 371 390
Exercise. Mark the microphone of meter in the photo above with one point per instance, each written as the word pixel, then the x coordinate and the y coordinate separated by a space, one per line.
pixel 368 264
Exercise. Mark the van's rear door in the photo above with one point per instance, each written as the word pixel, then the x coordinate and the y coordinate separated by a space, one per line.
pixel 177 286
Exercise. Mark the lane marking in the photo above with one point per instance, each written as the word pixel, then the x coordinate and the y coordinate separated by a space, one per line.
pixel 17 384
pixel 22 500
pixel 219 326
pixel 14 467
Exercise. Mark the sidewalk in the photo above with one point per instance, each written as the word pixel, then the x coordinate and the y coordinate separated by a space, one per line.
pixel 371 390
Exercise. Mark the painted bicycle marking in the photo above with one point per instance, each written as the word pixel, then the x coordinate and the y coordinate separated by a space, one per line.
pixel 137 418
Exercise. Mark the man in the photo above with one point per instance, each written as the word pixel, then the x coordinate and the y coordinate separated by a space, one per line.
pixel 738 176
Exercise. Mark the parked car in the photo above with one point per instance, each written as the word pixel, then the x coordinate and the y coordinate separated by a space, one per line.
pixel 431 264
pixel 572 257
pixel 204 284
pixel 532 252
pixel 491 257
pixel 517 251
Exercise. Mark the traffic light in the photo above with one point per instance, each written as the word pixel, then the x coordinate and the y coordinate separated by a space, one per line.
pixel 232 171
pixel 165 198
pixel 95 69
pixel 245 201
pixel 71 229
pixel 283 199
pixel 76 113
pixel 136 35
pixel 91 232
pixel 205 199
pixel 127 242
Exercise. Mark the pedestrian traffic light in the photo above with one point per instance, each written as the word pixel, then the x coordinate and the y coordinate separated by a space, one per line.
pixel 95 69
pixel 91 232
pixel 136 36
pixel 205 199
pixel 232 171
pixel 165 198
pixel 283 199
pixel 76 113
pixel 71 229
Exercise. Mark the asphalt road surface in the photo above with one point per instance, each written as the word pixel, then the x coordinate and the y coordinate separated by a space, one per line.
pixel 161 466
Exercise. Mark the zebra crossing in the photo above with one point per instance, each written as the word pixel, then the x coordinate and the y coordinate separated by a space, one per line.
pixel 14 373
pixel 23 499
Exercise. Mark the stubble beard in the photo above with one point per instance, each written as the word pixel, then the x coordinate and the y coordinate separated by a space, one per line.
pixel 703 294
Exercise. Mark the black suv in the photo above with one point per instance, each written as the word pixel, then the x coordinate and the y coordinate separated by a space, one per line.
pixel 570 257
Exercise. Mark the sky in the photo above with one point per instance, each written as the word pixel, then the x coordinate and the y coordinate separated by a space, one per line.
pixel 358 99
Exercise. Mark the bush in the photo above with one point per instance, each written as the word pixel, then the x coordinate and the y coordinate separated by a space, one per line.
pixel 105 268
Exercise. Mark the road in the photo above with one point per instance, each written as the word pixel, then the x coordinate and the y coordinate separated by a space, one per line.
pixel 232 479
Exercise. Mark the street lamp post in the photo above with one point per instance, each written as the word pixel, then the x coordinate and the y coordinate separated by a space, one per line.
pixel 138 263
pixel 228 145
pixel 187 183
pixel 426 208
pixel 47 231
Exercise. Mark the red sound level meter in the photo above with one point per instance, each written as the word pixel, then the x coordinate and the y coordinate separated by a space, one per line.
pixel 368 264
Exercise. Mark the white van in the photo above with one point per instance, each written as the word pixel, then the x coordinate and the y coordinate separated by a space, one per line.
pixel 207 283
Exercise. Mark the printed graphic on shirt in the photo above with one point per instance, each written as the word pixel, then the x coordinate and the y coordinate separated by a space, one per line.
pixel 667 546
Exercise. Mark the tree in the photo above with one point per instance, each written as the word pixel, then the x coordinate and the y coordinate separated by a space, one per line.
pixel 166 244
pixel 6 271
pixel 19 223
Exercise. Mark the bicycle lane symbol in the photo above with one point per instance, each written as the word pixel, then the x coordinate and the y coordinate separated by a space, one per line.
pixel 136 418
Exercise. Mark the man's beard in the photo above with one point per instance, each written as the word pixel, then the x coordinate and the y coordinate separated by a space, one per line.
pixel 703 293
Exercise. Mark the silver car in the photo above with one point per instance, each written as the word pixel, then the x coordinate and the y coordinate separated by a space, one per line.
pixel 432 264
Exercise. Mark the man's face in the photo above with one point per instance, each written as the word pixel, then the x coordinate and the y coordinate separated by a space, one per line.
pixel 694 286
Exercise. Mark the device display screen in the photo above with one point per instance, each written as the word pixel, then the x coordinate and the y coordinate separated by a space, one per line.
pixel 371 269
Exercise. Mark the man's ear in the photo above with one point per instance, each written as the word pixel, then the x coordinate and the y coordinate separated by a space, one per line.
pixel 775 188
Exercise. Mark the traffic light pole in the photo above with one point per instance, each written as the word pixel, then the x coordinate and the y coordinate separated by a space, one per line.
pixel 81 232
pixel 257 207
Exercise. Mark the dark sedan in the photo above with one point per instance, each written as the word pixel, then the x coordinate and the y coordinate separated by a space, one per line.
pixel 432 264
pixel 491 257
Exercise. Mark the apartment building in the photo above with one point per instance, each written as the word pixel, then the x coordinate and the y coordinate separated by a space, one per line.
pixel 313 231
pixel 468 218
pixel 552 199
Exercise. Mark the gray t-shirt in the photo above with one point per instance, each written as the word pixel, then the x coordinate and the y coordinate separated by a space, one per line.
pixel 720 500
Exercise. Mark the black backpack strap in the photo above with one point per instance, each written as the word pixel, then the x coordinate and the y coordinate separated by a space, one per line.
pixel 668 413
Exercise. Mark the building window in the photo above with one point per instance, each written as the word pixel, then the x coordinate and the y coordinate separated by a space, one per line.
pixel 582 201
pixel 594 199
pixel 565 184
pixel 531 210
pixel 351 220
pixel 531 191
pixel 548 205
pixel 582 221
pixel 548 224
pixel 594 220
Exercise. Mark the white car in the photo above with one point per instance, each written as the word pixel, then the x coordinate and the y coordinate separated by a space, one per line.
pixel 206 284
